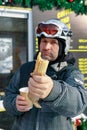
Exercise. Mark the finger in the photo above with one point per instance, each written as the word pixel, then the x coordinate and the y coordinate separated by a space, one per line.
pixel 33 83
pixel 20 100
pixel 35 86
pixel 23 108
pixel 19 97
pixel 37 80
pixel 22 103
pixel 41 79
pixel 31 74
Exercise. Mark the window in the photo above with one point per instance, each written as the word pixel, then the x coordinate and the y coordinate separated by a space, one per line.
pixel 16 42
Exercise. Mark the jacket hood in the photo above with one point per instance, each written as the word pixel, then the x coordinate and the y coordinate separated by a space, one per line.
pixel 67 58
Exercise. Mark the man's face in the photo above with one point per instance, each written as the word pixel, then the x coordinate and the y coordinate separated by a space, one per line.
pixel 49 48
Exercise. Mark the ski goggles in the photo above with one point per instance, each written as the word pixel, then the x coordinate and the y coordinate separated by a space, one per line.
pixel 49 29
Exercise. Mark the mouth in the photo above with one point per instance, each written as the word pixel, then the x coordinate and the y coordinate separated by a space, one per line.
pixel 45 55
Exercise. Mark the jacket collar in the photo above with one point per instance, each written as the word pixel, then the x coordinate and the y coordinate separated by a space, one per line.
pixel 58 67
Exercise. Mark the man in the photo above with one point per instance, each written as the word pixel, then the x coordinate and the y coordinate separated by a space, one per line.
pixel 61 91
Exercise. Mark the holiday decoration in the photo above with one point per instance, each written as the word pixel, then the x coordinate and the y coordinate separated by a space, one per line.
pixel 78 6
pixel 80 122
pixel 85 2
pixel 70 0
pixel 83 125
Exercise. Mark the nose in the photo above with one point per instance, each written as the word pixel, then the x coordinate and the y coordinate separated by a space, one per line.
pixel 47 45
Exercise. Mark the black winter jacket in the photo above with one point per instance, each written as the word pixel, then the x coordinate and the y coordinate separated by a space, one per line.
pixel 67 99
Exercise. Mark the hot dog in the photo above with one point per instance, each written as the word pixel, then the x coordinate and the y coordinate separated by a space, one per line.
pixel 40 69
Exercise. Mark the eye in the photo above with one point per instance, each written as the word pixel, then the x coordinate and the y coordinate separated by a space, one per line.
pixel 44 40
pixel 54 42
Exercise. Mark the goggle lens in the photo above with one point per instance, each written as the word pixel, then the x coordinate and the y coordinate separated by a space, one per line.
pixel 50 29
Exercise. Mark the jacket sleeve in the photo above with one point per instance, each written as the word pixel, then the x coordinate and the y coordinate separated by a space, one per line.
pixel 69 97
pixel 11 92
pixel 85 112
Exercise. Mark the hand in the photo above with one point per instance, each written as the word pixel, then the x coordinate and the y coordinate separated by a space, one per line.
pixel 21 104
pixel 40 86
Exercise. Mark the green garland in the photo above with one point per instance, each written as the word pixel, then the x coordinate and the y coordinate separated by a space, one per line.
pixel 78 6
